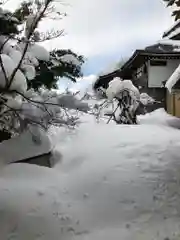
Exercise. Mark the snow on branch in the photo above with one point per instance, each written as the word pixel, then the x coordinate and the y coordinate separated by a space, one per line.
pixel 20 64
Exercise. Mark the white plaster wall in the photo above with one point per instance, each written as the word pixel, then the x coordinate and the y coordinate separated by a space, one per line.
pixel 158 74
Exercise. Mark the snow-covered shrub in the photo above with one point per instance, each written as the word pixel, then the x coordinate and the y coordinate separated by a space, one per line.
pixel 125 98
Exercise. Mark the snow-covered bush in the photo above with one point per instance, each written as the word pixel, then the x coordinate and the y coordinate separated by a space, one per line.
pixel 127 97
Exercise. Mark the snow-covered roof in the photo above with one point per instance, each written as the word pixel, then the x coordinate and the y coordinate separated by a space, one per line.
pixel 163 48
pixel 105 79
pixel 140 56
pixel 174 78
pixel 174 34
pixel 175 25
pixel 167 41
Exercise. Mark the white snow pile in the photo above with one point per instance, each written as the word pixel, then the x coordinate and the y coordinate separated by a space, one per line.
pixel 117 86
pixel 113 182
pixel 146 99
pixel 19 82
pixel 174 43
pixel 52 108
pixel 37 51
pixel 174 78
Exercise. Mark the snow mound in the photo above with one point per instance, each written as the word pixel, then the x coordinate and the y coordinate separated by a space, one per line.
pixel 29 71
pixel 15 55
pixel 113 182
pixel 37 51
pixel 40 52
pixel 19 82
pixel 14 102
pixel 32 207
pixel 146 99
pixel 30 59
pixel 7 48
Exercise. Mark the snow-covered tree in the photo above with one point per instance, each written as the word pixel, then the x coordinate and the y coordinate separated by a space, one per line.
pixel 61 62
pixel 27 69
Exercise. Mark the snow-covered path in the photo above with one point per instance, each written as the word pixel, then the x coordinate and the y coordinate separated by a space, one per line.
pixel 113 182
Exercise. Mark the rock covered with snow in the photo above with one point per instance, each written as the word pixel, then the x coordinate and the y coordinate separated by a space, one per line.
pixel 26 142
pixel 146 99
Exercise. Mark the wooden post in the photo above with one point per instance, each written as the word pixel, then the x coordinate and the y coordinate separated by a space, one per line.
pixel 174 104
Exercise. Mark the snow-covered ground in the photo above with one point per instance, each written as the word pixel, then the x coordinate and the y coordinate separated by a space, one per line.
pixel 112 182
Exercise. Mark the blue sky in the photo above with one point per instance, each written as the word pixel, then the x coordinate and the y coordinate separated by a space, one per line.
pixel 96 64
pixel 105 31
